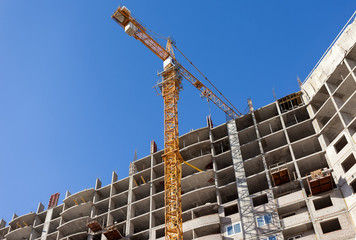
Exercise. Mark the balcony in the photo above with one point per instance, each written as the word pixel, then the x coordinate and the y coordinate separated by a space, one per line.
pixel 20 233
pixel 67 229
pixel 200 222
pixel 290 199
pixel 210 237
pixel 301 217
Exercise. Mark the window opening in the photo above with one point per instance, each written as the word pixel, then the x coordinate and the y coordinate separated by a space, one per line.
pixel 339 145
pixel 260 200
pixel 322 203
pixel 330 226
pixel 353 185
pixel 348 163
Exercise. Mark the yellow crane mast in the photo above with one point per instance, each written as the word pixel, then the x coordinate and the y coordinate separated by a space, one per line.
pixel 171 85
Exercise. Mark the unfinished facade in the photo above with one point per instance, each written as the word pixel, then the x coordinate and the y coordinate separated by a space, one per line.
pixel 284 171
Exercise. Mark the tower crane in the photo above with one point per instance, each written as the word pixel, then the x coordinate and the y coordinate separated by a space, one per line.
pixel 172 75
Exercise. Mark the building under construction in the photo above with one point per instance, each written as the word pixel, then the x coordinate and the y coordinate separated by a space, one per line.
pixel 283 171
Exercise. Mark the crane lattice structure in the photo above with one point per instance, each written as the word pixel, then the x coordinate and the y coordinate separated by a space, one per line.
pixel 171 86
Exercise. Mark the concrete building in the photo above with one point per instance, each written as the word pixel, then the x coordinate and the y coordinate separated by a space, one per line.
pixel 284 171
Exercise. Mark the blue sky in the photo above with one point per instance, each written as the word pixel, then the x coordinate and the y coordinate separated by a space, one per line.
pixel 76 92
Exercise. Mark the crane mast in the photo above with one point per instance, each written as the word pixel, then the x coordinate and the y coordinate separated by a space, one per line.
pixel 171 86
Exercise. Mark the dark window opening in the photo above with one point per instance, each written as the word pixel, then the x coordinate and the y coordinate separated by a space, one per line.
pixel 322 203
pixel 348 163
pixel 231 210
pixel 221 146
pixel 260 200
pixel 330 226
pixel 353 185
pixel 288 215
pixel 340 144
pixel 160 233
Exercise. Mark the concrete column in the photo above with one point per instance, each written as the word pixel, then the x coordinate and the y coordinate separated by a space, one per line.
pixel 95 197
pixel 211 138
pixel 152 233
pixel 218 196
pixel 246 211
pixel 129 201
pixel 46 224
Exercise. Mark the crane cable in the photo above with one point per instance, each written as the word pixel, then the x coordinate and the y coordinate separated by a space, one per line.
pixel 206 78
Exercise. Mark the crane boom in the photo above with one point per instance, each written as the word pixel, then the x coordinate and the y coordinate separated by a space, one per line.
pixel 206 92
pixel 171 85
pixel 132 27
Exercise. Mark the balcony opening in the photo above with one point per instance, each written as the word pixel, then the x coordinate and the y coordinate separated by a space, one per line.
pixel 260 200
pixel 222 146
pixel 330 226
pixel 348 163
pixel 97 237
pixel 160 233
pixel 339 145
pixel 353 185
pixel 231 210
pixel 323 202
pixel 287 215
